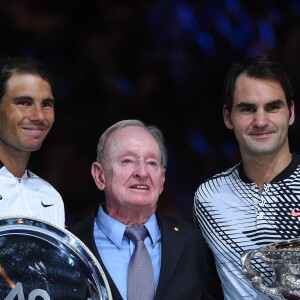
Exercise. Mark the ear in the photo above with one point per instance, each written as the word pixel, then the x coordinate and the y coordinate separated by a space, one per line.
pixel 292 113
pixel 97 173
pixel 226 117
pixel 162 181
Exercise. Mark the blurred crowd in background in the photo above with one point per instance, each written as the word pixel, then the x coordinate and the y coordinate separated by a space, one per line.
pixel 161 61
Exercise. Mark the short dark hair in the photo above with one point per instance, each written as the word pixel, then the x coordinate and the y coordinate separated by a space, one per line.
pixel 21 65
pixel 260 67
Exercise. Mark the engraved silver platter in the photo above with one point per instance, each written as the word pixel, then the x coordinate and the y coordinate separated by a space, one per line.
pixel 39 260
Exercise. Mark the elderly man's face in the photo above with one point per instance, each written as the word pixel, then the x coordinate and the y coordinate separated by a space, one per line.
pixel 132 175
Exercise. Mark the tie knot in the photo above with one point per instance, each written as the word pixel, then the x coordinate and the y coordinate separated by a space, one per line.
pixel 136 233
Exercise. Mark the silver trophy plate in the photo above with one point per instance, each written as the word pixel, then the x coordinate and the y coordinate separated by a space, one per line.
pixel 41 261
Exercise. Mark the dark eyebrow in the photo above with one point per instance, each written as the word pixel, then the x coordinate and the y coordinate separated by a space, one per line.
pixel 24 98
pixel 49 99
pixel 245 104
pixel 276 102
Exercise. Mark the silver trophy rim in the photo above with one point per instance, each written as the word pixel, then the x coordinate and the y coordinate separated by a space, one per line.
pixel 61 233
pixel 285 245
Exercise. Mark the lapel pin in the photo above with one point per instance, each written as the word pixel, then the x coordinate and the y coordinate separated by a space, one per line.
pixel 176 229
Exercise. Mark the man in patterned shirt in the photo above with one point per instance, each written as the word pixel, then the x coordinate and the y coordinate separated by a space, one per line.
pixel 257 201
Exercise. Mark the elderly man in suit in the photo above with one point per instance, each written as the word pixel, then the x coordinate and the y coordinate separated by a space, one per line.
pixel 130 169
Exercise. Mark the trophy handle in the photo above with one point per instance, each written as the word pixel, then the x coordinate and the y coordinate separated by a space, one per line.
pixel 254 275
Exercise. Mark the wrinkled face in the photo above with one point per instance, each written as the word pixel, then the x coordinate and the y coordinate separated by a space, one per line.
pixel 26 113
pixel 260 116
pixel 132 175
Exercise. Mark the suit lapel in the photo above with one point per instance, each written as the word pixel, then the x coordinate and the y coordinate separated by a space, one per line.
pixel 173 241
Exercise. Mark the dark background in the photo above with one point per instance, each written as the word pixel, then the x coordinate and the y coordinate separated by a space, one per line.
pixel 161 61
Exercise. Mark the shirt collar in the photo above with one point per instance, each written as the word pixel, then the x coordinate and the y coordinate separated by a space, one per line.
pixel 153 229
pixel 114 229
pixel 26 174
pixel 288 171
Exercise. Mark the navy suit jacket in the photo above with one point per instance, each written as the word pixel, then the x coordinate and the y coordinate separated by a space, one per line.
pixel 182 259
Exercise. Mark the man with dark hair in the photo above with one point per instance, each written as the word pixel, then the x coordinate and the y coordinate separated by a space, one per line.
pixel 255 202
pixel 26 117
pixel 130 169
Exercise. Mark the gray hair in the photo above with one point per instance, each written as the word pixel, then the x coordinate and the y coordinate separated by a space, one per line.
pixel 153 130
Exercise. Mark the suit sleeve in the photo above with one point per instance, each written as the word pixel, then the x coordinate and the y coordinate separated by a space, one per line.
pixel 212 283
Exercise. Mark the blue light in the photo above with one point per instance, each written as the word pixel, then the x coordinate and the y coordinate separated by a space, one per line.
pixel 124 85
pixel 200 145
pixel 206 41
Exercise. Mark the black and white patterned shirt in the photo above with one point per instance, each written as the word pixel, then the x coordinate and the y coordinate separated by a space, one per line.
pixel 235 216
